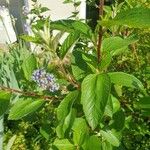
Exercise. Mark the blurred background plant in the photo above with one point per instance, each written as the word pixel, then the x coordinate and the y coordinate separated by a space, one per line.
pixel 128 121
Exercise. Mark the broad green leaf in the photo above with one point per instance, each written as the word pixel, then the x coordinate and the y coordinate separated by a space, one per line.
pixel 68 122
pixel 83 28
pixel 90 61
pixel 95 92
pixel 28 66
pixel 80 131
pixel 105 61
pixel 69 43
pixel 117 45
pixel 124 79
pixel 79 66
pixel 72 26
pixel 110 137
pixel 64 144
pixel 63 25
pixel 13 83
pixel 66 104
pixel 106 146
pixel 65 113
pixel 4 101
pixel 136 18
pixel 24 107
pixel 92 143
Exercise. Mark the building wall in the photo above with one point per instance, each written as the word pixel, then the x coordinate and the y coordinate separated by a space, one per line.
pixel 15 7
pixel 58 10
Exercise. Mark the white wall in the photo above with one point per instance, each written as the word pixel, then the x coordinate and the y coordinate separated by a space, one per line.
pixel 58 10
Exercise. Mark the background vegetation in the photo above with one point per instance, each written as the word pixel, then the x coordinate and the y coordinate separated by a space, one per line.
pixel 117 80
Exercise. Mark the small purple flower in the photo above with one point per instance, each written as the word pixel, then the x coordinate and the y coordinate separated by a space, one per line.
pixel 45 80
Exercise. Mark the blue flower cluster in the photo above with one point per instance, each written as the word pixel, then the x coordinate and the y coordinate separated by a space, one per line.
pixel 45 80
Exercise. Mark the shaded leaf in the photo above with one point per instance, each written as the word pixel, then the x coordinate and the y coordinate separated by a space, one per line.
pixel 144 102
pixel 69 43
pixel 65 113
pixel 118 120
pixel 4 101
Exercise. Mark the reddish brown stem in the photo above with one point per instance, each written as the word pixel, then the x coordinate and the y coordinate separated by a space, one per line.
pixel 100 34
pixel 31 94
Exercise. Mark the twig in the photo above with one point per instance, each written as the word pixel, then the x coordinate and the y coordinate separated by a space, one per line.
pixel 68 76
pixel 31 94
pixel 100 33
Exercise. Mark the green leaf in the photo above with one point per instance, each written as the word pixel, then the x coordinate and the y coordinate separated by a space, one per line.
pixel 117 45
pixel 11 142
pixel 118 120
pixel 145 112
pixel 65 113
pixel 92 143
pixel 106 146
pixel 12 77
pixel 28 66
pixel 73 26
pixel 4 101
pixel 64 144
pixel 69 43
pixel 144 103
pixel 124 79
pixel 63 25
pixel 80 131
pixel 90 61
pixel 136 18
pixel 95 92
pixel 79 66
pixel 44 9
pixel 109 108
pixel 83 28
pixel 66 104
pixel 116 104
pixel 105 61
pixel 110 137
pixel 31 39
pixel 68 122
pixel 24 107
